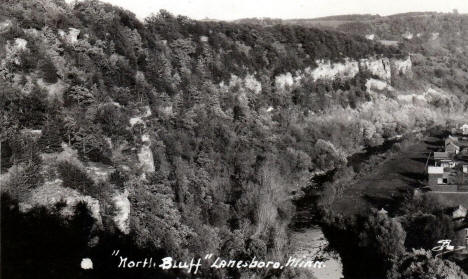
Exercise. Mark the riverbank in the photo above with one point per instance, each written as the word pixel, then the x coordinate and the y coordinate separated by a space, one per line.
pixel 307 237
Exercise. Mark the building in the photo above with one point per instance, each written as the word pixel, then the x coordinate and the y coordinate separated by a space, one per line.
pixel 451 139
pixel 437 176
pixel 452 145
pixel 444 159
pixel 452 148
pixel 464 129
pixel 450 170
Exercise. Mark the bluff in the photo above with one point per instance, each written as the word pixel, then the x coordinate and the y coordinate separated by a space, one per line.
pixel 192 137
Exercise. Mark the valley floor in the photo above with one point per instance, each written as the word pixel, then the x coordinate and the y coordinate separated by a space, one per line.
pixel 398 172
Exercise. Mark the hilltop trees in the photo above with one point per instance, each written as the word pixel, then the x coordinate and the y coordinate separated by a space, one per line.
pixel 229 143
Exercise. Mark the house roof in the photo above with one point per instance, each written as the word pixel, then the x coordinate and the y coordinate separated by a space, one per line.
pixel 452 144
pixel 441 156
pixel 451 139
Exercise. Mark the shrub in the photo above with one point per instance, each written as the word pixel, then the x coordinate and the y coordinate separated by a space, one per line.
pixel 75 178
pixel 48 70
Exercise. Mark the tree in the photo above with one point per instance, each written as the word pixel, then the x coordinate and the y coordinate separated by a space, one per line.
pixel 155 217
pixel 421 264
pixel 78 95
pixel 75 178
pixel 424 230
pixel 327 156
pixel 48 70
pixel 51 137
pixel 91 144
pixel 384 237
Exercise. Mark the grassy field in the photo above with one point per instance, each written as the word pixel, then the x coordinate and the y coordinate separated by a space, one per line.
pixel 452 199
pixel 397 173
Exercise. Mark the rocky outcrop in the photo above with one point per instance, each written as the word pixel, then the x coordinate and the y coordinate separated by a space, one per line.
pixel 71 37
pixel 53 192
pixel 122 216
pixel 375 84
pixel 283 80
pixel 402 67
pixel 378 67
pixel 328 70
pixel 145 155
pixel 383 68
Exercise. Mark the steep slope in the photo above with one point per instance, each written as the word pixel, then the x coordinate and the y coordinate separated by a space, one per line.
pixel 192 136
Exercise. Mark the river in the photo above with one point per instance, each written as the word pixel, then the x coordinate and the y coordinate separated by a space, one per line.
pixel 307 238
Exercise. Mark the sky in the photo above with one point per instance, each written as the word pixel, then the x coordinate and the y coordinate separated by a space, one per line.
pixel 285 9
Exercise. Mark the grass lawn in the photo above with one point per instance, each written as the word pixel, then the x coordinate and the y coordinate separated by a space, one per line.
pixel 452 199
pixel 378 188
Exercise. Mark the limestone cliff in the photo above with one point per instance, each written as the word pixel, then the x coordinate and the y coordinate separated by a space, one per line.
pixel 383 68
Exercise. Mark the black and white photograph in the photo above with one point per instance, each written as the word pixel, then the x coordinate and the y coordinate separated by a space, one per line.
pixel 222 139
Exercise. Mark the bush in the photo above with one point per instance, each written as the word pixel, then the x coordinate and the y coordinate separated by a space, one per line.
pixel 23 179
pixel 75 178
pixel 48 70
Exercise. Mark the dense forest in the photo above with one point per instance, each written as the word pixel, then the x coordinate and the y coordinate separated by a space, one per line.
pixel 208 130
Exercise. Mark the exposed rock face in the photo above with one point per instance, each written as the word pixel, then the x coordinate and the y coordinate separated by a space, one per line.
pixel 402 67
pixel 383 68
pixel 328 70
pixel 145 156
pixel 122 217
pixel 20 43
pixel 378 67
pixel 252 84
pixel 375 84
pixel 283 80
pixel 52 192
pixel 13 48
pixel 72 36
pixel 430 95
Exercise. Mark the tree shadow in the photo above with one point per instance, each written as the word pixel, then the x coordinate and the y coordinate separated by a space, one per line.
pixel 439 142
pixel 418 176
pixel 42 243
pixel 423 160
pixel 436 148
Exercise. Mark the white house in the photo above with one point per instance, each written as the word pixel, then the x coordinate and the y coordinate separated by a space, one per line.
pixel 437 176
pixel 464 129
